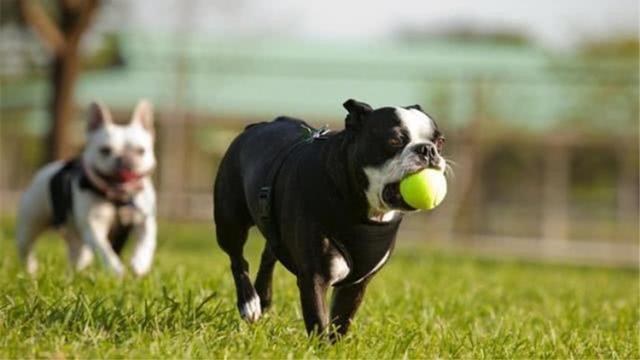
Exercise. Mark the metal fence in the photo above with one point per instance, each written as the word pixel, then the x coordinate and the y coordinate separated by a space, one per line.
pixel 537 173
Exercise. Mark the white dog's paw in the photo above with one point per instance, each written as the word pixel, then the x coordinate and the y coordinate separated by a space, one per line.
pixel 83 259
pixel 32 265
pixel 140 265
pixel 117 269
pixel 251 310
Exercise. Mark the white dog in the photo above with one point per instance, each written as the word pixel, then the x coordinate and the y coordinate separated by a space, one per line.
pixel 98 198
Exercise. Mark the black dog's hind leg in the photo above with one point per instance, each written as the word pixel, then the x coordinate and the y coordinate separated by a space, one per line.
pixel 264 277
pixel 231 238
pixel 345 302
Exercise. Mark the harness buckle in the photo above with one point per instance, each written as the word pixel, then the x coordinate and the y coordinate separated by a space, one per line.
pixel 264 202
pixel 311 134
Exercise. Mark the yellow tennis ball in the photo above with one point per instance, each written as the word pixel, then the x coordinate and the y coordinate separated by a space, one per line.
pixel 425 189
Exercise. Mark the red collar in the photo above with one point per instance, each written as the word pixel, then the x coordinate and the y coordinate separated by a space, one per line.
pixel 114 191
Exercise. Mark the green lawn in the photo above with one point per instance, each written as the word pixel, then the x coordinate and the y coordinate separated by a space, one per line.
pixel 424 303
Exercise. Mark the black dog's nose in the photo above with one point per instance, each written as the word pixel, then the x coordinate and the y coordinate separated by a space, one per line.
pixel 427 150
pixel 428 153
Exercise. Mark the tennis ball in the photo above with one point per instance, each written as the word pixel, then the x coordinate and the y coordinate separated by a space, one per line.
pixel 425 189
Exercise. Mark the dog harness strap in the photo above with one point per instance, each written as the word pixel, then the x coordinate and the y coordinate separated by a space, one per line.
pixel 120 196
pixel 118 235
pixel 86 184
pixel 60 190
pixel 265 195
pixel 117 193
pixel 366 247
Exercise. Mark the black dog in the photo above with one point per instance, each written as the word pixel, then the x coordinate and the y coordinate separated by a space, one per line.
pixel 328 204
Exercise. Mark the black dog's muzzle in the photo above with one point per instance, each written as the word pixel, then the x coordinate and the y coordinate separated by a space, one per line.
pixel 392 197
pixel 428 155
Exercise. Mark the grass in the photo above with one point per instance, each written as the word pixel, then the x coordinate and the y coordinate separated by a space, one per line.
pixel 424 303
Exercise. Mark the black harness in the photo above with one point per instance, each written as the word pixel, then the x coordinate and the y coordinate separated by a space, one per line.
pixel 265 195
pixel 365 246
pixel 61 193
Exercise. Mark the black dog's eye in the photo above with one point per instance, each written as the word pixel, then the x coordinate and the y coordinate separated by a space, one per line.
pixel 440 144
pixel 105 151
pixel 395 142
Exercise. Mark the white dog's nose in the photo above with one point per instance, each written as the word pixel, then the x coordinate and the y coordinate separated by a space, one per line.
pixel 123 162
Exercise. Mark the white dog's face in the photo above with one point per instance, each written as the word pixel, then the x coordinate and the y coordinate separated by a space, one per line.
pixel 120 152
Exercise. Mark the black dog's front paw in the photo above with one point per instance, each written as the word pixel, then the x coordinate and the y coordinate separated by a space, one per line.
pixel 250 308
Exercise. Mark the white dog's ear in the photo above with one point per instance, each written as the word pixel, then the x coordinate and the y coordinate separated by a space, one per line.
pixel 144 114
pixel 99 115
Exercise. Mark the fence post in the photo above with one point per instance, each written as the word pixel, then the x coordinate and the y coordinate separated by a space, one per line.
pixel 556 178
pixel 627 197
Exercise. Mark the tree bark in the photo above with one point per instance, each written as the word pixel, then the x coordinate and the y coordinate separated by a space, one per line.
pixel 73 22
pixel 64 71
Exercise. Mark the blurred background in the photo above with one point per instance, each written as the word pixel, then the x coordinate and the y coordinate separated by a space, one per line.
pixel 538 101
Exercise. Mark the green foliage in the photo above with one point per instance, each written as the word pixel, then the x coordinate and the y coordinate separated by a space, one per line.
pixel 10 11
pixel 470 34
pixel 107 54
pixel 424 303
pixel 617 47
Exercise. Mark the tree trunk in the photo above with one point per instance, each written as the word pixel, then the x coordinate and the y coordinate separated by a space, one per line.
pixel 73 21
pixel 64 71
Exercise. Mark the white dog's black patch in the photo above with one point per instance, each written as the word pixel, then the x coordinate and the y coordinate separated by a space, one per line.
pixel 85 197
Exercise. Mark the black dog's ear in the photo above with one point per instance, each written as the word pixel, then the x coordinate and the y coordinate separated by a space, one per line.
pixel 416 106
pixel 357 111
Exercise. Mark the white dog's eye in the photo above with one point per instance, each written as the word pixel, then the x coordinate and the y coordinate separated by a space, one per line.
pixel 105 151
pixel 140 151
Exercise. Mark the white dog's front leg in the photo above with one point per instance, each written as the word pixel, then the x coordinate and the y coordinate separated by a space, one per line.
pixel 96 236
pixel 145 247
pixel 93 218
pixel 80 254
pixel 94 229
